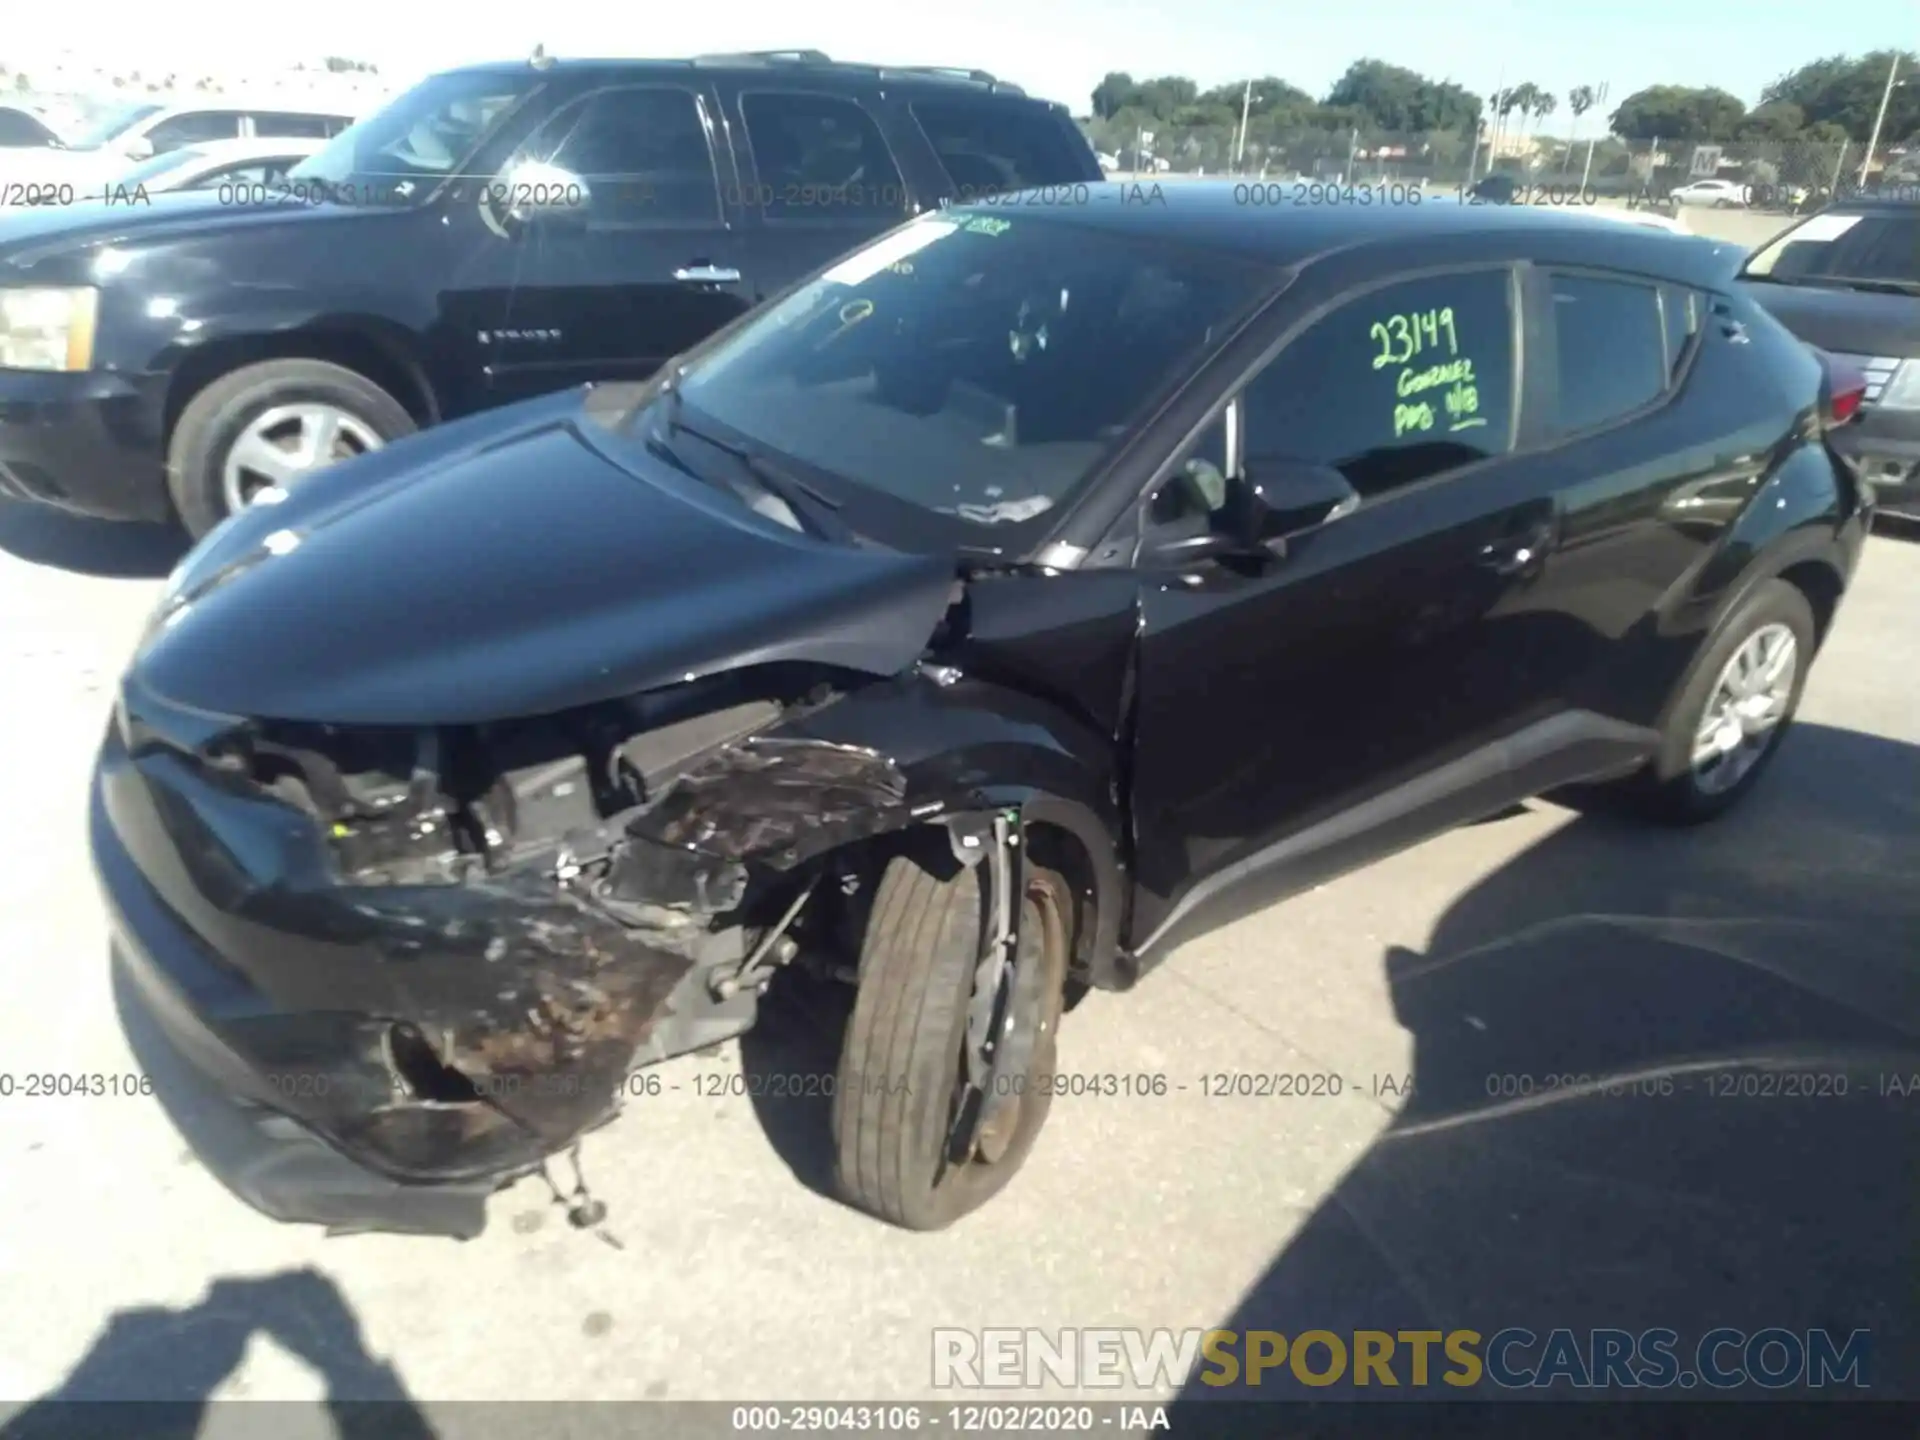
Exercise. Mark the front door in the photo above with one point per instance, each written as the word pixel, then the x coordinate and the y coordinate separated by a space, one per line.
pixel 625 255
pixel 1297 718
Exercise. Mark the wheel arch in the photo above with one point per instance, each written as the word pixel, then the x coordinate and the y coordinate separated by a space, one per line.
pixel 378 350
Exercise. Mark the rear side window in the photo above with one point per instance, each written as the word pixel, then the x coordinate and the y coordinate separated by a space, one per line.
pixel 1609 350
pixel 196 127
pixel 1394 386
pixel 640 153
pixel 298 127
pixel 990 149
pixel 821 158
pixel 1867 246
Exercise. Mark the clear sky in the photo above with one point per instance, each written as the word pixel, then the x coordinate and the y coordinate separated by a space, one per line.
pixel 1058 48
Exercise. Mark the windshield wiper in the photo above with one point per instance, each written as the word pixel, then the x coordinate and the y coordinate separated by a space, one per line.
pixel 818 510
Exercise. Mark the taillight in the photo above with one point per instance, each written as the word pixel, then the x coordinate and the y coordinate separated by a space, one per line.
pixel 1846 388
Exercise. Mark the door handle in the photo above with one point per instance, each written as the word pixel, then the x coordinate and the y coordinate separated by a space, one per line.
pixel 1519 554
pixel 707 275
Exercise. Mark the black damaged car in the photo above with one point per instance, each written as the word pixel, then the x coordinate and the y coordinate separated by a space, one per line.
pixel 1030 589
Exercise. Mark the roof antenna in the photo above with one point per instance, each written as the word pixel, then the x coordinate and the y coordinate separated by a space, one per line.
pixel 540 60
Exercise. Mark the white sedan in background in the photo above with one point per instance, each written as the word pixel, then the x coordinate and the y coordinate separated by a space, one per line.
pixel 258 161
pixel 1722 194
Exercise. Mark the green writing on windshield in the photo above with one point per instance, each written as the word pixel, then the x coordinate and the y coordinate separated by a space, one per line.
pixel 988 225
pixel 1402 338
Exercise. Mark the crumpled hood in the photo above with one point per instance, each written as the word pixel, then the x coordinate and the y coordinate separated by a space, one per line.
pixel 514 564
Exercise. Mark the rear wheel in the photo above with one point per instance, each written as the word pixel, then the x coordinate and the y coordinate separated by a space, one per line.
pixel 1726 723
pixel 908 1147
pixel 252 435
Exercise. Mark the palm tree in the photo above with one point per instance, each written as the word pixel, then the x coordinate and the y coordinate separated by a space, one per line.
pixel 1579 100
pixel 1544 104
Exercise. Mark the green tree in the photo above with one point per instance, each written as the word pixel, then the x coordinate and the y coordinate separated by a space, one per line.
pixel 1113 94
pixel 1847 92
pixel 1402 101
pixel 1678 112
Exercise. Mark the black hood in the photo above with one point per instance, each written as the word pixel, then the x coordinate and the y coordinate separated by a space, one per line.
pixel 518 563
pixel 29 234
pixel 1848 322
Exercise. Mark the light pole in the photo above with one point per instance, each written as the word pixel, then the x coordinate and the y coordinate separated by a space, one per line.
pixel 1240 141
pixel 1880 119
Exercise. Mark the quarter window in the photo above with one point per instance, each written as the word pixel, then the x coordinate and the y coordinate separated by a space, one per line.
pixel 1397 385
pixel 1609 350
pixel 641 154
pixel 987 149
pixel 821 158
pixel 300 127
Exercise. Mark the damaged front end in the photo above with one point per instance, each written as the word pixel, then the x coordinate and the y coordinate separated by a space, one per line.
pixel 444 949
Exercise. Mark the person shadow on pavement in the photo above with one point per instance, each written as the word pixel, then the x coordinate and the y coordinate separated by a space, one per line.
pixel 153 1370
pixel 1660 1079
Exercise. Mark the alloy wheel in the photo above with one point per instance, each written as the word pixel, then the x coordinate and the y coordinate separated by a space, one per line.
pixel 1744 709
pixel 284 445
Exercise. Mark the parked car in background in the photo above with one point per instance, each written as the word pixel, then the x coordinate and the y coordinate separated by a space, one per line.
pixel 24 128
pixel 125 134
pixel 244 171
pixel 986 650
pixel 1848 281
pixel 494 233
pixel 1721 194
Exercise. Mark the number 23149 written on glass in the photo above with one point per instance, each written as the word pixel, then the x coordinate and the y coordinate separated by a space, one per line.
pixel 1402 337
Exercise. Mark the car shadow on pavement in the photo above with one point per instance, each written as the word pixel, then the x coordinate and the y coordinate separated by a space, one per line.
pixel 113 549
pixel 153 1370
pixel 1660 1079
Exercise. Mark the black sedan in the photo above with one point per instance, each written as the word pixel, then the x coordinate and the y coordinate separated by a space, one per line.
pixel 1028 590
pixel 1848 281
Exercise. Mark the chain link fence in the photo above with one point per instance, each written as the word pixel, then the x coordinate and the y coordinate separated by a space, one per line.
pixel 1787 176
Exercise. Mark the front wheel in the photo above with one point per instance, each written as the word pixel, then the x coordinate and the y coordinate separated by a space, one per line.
pixel 251 435
pixel 907 1147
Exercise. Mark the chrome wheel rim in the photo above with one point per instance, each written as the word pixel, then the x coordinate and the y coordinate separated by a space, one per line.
pixel 1745 708
pixel 284 445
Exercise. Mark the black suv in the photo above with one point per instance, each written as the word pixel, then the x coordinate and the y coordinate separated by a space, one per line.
pixel 1032 588
pixel 1848 281
pixel 493 233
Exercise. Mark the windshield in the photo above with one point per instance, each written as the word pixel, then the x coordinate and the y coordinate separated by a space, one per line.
pixel 405 148
pixel 973 366
pixel 1878 246
pixel 110 126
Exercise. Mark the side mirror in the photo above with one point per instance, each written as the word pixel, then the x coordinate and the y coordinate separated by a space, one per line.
pixel 138 148
pixel 1277 498
pixel 536 192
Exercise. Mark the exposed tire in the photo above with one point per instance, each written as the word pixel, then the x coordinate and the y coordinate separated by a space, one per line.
pixel 904 1052
pixel 235 405
pixel 1677 790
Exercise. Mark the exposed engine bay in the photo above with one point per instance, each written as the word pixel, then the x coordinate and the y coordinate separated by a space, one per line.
pixel 627 875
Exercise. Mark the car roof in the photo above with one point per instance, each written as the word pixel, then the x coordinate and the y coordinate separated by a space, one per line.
pixel 810 65
pixel 272 104
pixel 1905 203
pixel 1219 215
pixel 251 145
